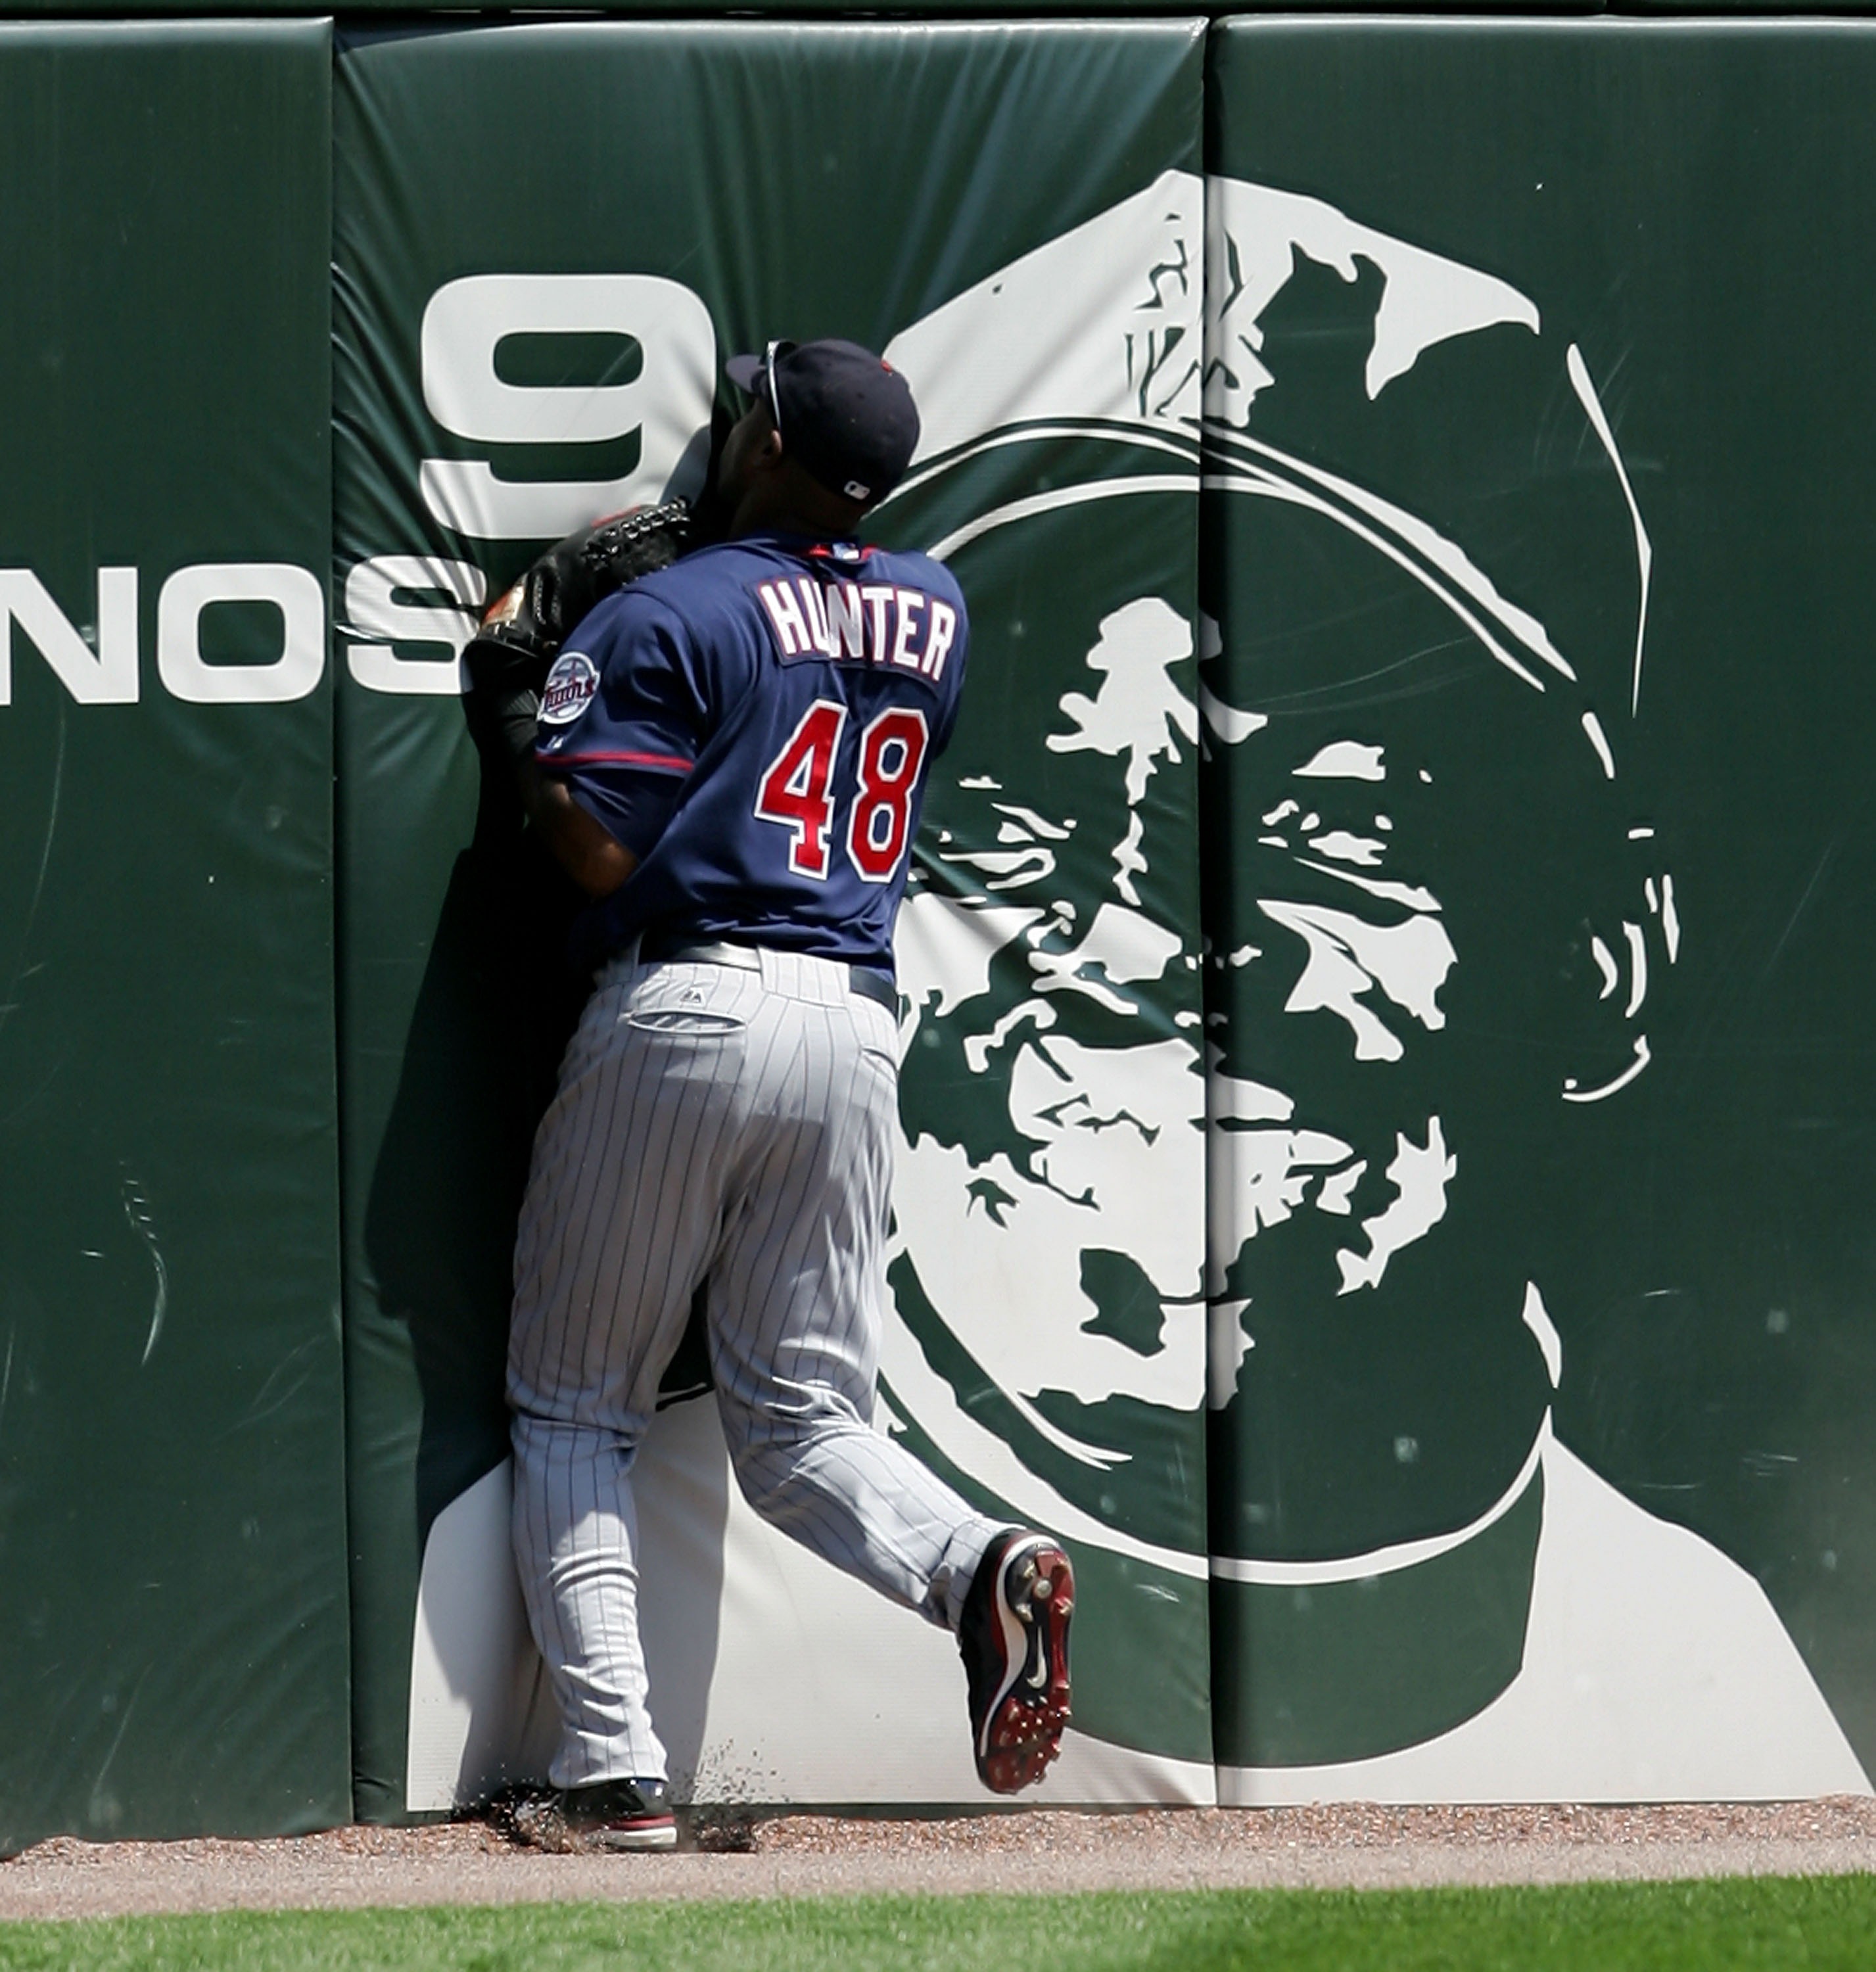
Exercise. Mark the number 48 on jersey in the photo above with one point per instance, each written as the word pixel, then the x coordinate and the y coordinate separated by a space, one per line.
pixel 798 792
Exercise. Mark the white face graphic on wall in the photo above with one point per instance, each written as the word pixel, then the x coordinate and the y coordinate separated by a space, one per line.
pixel 1112 1134
pixel 1073 1148
pixel 1114 1155
pixel 1352 920
pixel 1375 959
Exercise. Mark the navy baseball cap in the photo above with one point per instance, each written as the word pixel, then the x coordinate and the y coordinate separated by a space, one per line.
pixel 846 414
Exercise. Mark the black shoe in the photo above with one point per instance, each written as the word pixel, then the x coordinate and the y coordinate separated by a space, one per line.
pixel 1013 1637
pixel 621 1814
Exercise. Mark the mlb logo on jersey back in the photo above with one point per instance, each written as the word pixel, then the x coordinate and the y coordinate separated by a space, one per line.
pixel 569 688
pixel 859 623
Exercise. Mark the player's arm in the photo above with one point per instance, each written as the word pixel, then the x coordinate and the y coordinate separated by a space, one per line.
pixel 582 844
pixel 599 766
pixel 508 699
pixel 521 638
pixel 614 743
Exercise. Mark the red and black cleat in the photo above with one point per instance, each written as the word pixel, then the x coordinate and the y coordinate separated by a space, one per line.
pixel 1014 1640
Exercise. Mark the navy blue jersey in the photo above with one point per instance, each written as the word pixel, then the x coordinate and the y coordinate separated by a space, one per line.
pixel 758 723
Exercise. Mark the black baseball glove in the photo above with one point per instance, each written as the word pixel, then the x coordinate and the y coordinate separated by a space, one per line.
pixel 521 634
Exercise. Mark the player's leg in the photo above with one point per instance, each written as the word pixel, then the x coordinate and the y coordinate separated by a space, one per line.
pixel 796 1295
pixel 576 1544
pixel 796 1302
pixel 622 1211
pixel 624 1203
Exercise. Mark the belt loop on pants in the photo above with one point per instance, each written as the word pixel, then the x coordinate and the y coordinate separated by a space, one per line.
pixel 660 948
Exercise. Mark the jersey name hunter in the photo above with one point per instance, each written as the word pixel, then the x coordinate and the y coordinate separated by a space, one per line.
pixel 859 623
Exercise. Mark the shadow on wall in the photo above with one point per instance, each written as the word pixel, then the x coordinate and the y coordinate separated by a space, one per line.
pixel 493 1015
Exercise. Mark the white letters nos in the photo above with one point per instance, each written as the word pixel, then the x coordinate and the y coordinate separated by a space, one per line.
pixel 410 614
pixel 102 668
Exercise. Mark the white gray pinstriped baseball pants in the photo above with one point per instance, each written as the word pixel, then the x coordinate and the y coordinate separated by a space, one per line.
pixel 734 1125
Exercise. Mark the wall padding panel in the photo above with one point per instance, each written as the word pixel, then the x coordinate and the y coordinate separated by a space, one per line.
pixel 1538 855
pixel 172 1559
pixel 548 238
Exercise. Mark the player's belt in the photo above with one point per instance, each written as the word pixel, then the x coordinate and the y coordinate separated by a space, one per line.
pixel 654 949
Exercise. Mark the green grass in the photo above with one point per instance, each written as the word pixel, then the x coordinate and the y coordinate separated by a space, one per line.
pixel 1819 1924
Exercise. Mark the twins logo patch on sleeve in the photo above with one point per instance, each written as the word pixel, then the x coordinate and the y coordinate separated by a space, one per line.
pixel 569 688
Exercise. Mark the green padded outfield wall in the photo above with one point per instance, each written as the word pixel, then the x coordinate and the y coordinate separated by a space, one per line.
pixel 1521 621
pixel 531 318
pixel 171 1507
pixel 1539 867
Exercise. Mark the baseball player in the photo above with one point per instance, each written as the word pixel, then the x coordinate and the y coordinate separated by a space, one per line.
pixel 729 755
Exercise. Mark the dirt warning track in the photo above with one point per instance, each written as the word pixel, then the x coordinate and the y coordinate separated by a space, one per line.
pixel 1046 1852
